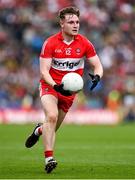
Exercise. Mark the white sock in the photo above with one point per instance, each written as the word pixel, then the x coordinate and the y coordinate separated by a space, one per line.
pixel 47 159
pixel 36 132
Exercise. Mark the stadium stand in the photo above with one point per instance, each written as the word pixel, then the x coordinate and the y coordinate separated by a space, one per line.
pixel 110 25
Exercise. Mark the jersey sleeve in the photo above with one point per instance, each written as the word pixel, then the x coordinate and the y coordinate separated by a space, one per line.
pixel 90 50
pixel 46 51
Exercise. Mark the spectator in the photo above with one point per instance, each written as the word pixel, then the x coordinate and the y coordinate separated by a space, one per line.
pixel 110 26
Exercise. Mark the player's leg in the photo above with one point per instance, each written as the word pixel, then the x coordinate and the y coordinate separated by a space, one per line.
pixel 44 89
pixel 61 117
pixel 37 132
pixel 49 103
pixel 64 104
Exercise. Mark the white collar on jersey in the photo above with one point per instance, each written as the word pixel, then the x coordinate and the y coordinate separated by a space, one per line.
pixel 68 43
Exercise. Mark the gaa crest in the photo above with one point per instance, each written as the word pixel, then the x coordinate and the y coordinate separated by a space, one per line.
pixel 78 51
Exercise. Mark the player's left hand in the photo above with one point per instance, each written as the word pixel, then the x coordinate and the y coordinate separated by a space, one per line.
pixel 95 79
pixel 59 88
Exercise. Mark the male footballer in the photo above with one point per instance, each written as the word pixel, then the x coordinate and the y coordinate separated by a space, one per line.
pixel 61 53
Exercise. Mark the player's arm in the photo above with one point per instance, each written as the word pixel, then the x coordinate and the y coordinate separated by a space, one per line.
pixel 45 64
pixel 95 63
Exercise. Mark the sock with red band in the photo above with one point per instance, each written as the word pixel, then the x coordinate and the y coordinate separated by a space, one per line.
pixel 48 156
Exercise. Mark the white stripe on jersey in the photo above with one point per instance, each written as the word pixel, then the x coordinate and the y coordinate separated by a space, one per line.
pixel 67 64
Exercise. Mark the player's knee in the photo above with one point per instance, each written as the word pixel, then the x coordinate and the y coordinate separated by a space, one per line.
pixel 52 117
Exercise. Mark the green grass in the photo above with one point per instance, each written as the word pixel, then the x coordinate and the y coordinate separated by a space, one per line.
pixel 82 152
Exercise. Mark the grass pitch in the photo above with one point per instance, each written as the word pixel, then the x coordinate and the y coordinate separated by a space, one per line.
pixel 82 152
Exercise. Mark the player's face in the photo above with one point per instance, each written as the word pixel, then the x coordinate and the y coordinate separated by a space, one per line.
pixel 70 25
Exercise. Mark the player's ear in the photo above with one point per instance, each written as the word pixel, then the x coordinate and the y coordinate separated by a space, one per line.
pixel 61 23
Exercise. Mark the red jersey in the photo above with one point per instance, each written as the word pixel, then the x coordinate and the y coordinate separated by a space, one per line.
pixel 66 57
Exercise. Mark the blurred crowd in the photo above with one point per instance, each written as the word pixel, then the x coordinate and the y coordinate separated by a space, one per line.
pixel 109 25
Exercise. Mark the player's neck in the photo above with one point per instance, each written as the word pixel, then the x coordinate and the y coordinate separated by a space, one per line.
pixel 67 37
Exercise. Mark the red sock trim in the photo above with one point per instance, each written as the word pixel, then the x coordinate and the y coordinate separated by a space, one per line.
pixel 40 130
pixel 48 154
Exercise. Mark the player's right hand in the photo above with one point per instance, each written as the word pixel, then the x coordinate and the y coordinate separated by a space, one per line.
pixel 59 88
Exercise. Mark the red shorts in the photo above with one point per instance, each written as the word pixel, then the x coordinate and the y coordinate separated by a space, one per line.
pixel 64 102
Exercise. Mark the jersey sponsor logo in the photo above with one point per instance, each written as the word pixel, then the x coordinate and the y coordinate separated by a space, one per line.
pixel 68 64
